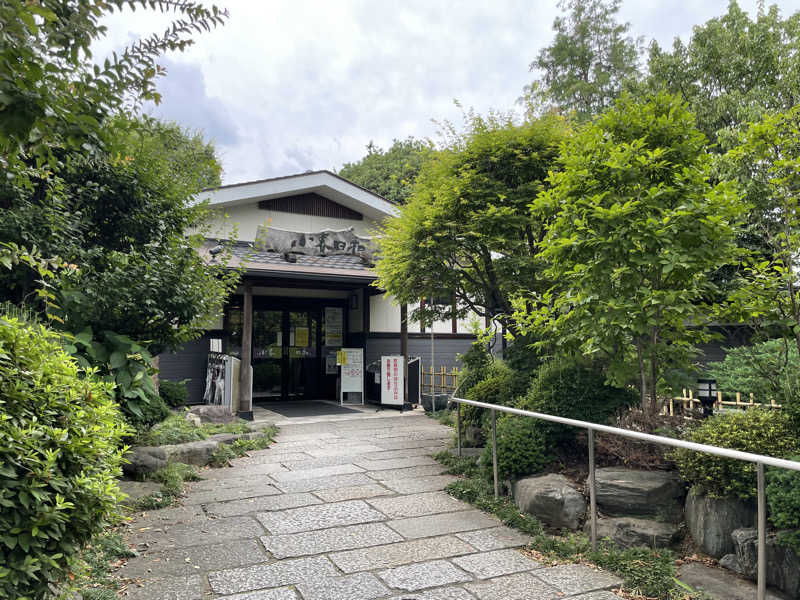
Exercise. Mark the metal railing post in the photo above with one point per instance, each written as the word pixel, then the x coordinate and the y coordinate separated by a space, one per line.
pixel 458 427
pixel 494 454
pixel 762 534
pixel 592 492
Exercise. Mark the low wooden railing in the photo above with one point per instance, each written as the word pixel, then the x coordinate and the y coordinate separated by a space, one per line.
pixel 441 381
pixel 687 400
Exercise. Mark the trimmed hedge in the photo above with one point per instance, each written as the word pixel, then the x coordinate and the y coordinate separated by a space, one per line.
pixel 763 431
pixel 174 393
pixel 60 431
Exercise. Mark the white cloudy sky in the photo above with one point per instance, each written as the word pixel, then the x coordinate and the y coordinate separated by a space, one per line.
pixel 291 85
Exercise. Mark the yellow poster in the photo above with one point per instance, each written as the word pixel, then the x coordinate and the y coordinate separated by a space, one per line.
pixel 301 337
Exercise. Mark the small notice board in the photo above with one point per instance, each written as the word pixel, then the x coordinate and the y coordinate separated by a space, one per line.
pixel 351 361
pixel 392 382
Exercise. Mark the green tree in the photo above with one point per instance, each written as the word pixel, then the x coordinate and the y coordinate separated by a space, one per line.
pixel 733 68
pixel 54 93
pixel 466 229
pixel 636 231
pixel 767 165
pixel 390 173
pixel 591 59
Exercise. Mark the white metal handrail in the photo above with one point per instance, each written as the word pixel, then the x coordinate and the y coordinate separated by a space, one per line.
pixel 759 459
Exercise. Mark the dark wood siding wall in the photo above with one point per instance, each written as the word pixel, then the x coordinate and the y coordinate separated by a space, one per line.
pixel 188 363
pixel 310 204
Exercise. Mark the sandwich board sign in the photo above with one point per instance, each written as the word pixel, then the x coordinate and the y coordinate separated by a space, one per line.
pixel 392 382
pixel 351 361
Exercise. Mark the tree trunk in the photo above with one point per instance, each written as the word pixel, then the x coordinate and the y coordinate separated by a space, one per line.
pixel 642 376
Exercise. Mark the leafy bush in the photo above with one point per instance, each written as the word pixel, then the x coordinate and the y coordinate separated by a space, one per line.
pixel 783 498
pixel 576 391
pixel 476 363
pixel 764 431
pixel 503 386
pixel 522 447
pixel 59 454
pixel 174 393
pixel 129 366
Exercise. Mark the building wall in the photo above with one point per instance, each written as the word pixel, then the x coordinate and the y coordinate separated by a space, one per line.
pixel 384 317
pixel 244 220
pixel 188 363
pixel 446 350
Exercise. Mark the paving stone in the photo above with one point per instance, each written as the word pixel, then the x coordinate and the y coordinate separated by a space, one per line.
pixel 344 450
pixel 420 471
pixel 166 516
pixel 604 595
pixel 404 453
pixel 521 586
pixel 286 572
pixel 402 553
pixel 446 593
pixel 283 593
pixel 325 483
pixel 316 463
pixel 172 588
pixel 353 493
pixel 495 563
pixel 362 586
pixel 416 485
pixel 330 540
pixel 430 525
pixel 404 444
pixel 223 493
pixel 230 473
pixel 260 504
pixel 417 505
pixel 304 437
pixel 188 561
pixel 237 478
pixel 577 579
pixel 419 576
pixel 495 538
pixel 269 456
pixel 196 533
pixel 395 463
pixel 315 473
pixel 321 516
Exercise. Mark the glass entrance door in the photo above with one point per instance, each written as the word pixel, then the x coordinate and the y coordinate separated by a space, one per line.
pixel 286 358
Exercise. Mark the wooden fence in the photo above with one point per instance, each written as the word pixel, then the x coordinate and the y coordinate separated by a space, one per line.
pixel 687 400
pixel 442 381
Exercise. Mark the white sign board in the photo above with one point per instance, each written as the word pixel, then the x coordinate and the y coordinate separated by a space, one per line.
pixel 334 323
pixel 352 372
pixel 392 382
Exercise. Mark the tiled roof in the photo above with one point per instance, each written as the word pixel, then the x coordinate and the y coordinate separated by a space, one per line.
pixel 252 257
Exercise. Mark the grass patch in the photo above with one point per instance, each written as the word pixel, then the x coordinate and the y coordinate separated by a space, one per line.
pixel 222 456
pixel 171 478
pixel 445 417
pixel 95 565
pixel 647 573
pixel 175 429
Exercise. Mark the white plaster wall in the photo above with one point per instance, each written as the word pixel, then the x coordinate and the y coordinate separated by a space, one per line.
pixel 384 316
pixel 244 220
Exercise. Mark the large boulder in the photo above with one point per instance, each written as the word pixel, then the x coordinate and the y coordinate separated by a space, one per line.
pixel 141 460
pixel 711 521
pixel 629 532
pixel 552 499
pixel 783 564
pixel 629 492
pixel 209 413
pixel 191 453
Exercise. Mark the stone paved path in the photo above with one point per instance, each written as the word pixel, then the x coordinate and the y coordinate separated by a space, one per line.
pixel 341 510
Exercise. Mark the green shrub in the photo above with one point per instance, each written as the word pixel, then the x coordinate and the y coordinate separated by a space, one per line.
pixel 522 448
pixel 60 432
pixel 502 386
pixel 576 391
pixel 783 498
pixel 476 361
pixel 174 393
pixel 763 431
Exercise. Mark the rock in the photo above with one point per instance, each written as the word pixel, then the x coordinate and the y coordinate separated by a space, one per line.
pixel 783 565
pixel 137 489
pixel 711 521
pixel 144 459
pixel 213 414
pixel 191 453
pixel 193 419
pixel 629 532
pixel 551 498
pixel 718 584
pixel 628 492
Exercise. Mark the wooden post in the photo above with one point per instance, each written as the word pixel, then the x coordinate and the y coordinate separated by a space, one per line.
pixel 404 347
pixel 246 368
